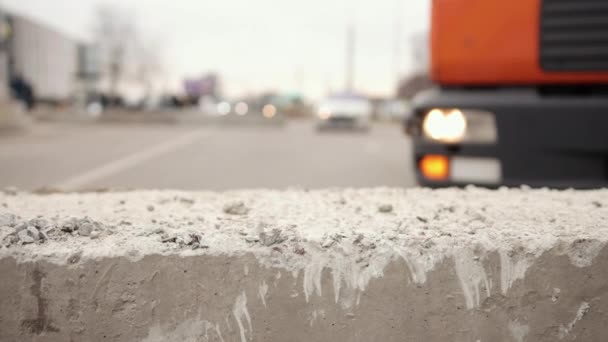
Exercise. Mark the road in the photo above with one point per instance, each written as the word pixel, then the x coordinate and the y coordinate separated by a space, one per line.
pixel 72 156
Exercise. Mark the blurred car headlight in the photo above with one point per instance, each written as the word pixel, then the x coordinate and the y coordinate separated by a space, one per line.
pixel 452 126
pixel 241 108
pixel 324 113
pixel 223 108
pixel 269 111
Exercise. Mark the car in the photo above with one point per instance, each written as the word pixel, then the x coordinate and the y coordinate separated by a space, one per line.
pixel 344 111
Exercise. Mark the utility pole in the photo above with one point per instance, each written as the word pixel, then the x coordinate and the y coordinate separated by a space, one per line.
pixel 351 38
pixel 350 57
pixel 397 40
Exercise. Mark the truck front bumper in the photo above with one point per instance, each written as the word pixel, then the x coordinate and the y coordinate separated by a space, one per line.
pixel 542 141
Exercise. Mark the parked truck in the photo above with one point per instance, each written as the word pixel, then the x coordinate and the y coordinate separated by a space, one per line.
pixel 522 95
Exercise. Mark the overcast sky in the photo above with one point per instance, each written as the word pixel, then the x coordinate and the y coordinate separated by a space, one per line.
pixel 259 45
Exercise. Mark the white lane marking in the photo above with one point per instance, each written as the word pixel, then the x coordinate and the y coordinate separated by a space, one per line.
pixel 129 161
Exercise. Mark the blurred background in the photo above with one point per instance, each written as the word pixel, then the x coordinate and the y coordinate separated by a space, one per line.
pixel 209 95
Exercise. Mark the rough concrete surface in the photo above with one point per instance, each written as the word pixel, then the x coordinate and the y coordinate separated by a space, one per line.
pixel 296 265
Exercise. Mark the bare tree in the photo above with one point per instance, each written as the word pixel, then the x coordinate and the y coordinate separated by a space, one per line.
pixel 418 78
pixel 115 34
pixel 147 64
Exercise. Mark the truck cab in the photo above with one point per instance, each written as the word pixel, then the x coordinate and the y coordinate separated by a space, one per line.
pixel 521 97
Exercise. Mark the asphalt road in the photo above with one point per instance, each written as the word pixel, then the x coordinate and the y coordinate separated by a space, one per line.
pixel 196 157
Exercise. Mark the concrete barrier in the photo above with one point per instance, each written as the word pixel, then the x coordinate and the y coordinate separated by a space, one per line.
pixel 297 265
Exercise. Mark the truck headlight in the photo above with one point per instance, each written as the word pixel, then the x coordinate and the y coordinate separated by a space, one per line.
pixel 447 126
pixel 453 126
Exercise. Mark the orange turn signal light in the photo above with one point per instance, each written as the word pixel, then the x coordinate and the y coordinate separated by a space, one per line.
pixel 435 167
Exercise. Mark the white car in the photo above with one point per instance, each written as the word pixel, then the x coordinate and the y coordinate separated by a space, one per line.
pixel 345 111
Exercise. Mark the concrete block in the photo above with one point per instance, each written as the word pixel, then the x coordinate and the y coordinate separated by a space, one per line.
pixel 297 265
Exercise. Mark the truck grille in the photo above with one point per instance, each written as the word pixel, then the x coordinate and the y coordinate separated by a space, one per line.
pixel 574 35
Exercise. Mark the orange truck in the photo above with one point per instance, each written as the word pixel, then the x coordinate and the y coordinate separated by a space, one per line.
pixel 522 95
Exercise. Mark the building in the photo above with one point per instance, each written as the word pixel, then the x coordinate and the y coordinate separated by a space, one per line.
pixel 58 67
